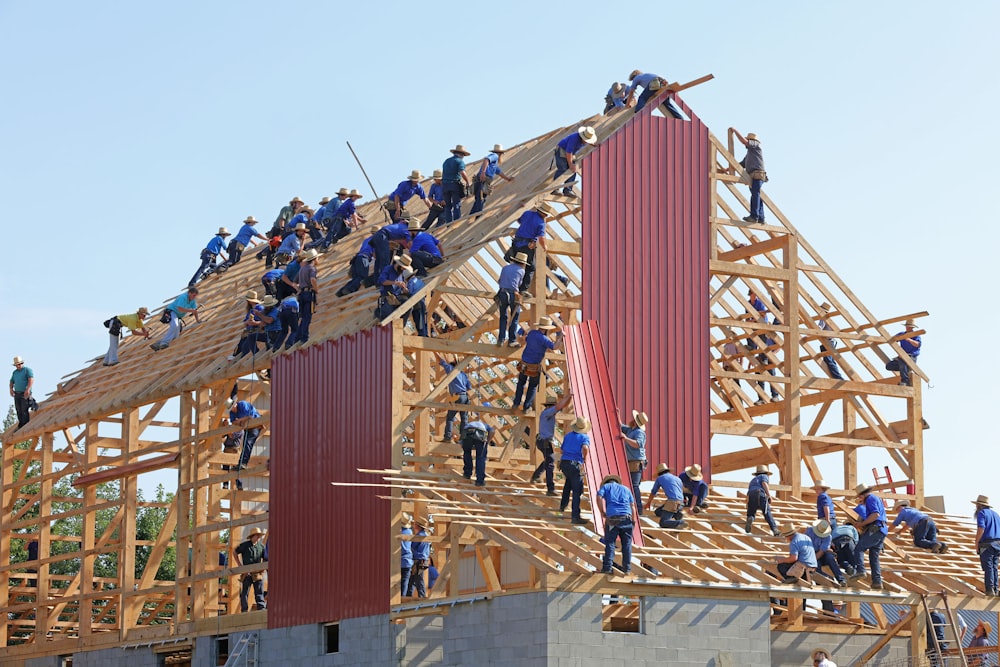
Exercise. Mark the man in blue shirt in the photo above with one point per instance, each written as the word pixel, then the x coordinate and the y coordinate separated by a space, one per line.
pixel 545 441
pixel 288 317
pixel 828 344
pixel 241 241
pixel 843 540
pixel 240 415
pixel 292 245
pixel 922 527
pixel 616 98
pixel 21 382
pixel 209 253
pixel 820 535
pixel 397 233
pixel 419 310
pixel 759 499
pixel 872 529
pixel 824 504
pixel 752 344
pixel 459 389
pixel 396 201
pixel 178 308
pixel 536 344
pixel 406 557
pixel 670 512
pixel 482 182
pixel 271 319
pixel 454 182
pixel 308 293
pixel 565 157
pixel 361 266
pixel 508 298
pixel 435 197
pixel 911 345
pixel 392 285
pixel 633 435
pixel 476 438
pixel 345 219
pixel 695 488
pixel 530 234
pixel 425 249
pixel 421 552
pixel 988 543
pixel 651 85
pixel 575 447
pixel 801 558
pixel 615 502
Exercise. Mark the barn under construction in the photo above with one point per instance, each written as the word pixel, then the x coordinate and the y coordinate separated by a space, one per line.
pixel 647 266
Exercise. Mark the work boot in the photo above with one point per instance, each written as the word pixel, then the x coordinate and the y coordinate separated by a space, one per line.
pixel 551 493
pixel 749 525
pixel 535 478
pixel 580 522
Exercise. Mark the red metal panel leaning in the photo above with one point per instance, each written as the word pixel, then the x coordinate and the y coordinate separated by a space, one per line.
pixel 594 398
pixel 645 210
pixel 330 415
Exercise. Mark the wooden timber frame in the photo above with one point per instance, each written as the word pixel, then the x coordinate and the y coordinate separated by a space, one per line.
pixel 166 411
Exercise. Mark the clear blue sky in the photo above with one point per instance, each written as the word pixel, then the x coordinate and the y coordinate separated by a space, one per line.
pixel 131 131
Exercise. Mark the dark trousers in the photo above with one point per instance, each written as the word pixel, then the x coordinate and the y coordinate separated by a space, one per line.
pixel 830 562
pixel 510 311
pixel 699 494
pixel 383 253
pixel 479 195
pixel 258 593
pixel 461 399
pixel 248 344
pixel 453 193
pixel 250 436
pixel 417 579
pixel 289 324
pixel 419 315
pixel 925 534
pixel 423 260
pixel 532 382
pixel 336 230
pixel 636 478
pixel 548 464
pixel 783 568
pixel 872 543
pixel 269 287
pixel 468 447
pixel 307 304
pixel 612 533
pixel 831 365
pixel 898 364
pixel 360 269
pixel 757 502
pixel 207 260
pixel 404 579
pixel 756 204
pixel 21 408
pixel 573 486
pixel 989 559
pixel 235 250
pixel 562 166
pixel 434 215
pixel 283 290
pixel 844 549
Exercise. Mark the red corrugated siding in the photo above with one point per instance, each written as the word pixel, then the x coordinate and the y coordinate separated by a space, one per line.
pixel 594 398
pixel 645 275
pixel 330 415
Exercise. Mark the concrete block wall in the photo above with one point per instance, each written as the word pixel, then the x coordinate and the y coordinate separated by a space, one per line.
pixel 117 657
pixel 794 648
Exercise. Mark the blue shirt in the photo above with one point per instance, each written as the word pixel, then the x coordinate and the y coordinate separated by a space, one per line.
pixel 911 517
pixel 618 500
pixel 292 271
pixel 758 482
pixel 421 550
pixel 536 343
pixel 573 444
pixel 846 530
pixel 366 247
pixel 425 241
pixel 330 210
pixel 461 384
pixel 243 409
pixel 531 225
pixel 637 453
pixel 246 233
pixel 492 166
pixel 511 276
pixel 823 500
pixel 481 426
pixel 393 273
pixel 573 143
pixel 691 485
pixel 671 485
pixel 406 560
pixel 802 547
pixel 289 303
pixel 296 219
pixel 909 347
pixel 272 275
pixel 414 284
pixel 291 245
pixel 183 301
pixel 406 191
pixel 216 245
pixel 436 192
pixel 989 521
pixel 618 99
pixel 397 231
pixel 347 209
pixel 641 80
pixel 819 543
pixel 873 505
pixel 275 324
pixel 547 423
pixel 451 169
pixel 321 211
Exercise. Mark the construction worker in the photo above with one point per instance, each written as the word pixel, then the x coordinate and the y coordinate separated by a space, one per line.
pixel 671 511
pixel 820 534
pixel 133 322
pixel 425 249
pixel 251 552
pixel 482 182
pixel 274 234
pixel 212 250
pixel 361 265
pixel 175 312
pixel 759 499
pixel 454 183
pixel 695 489
pixel 575 447
pixel 301 217
pixel 418 311
pixel 824 504
pixel 616 98
pixel 308 295
pixel 21 382
pixel 345 219
pixel 565 157
pixel 396 202
pixel 545 441
pixel 459 389
pixel 392 283
pixel 911 345
pixel 651 84
pixel 765 339
pixel 253 328
pixel 435 195
pixel 828 344
pixel 801 558
pixel 476 438
pixel 988 543
pixel 421 552
pixel 843 540
pixel 633 436
pixel 615 502
pixel 315 224
pixel 508 298
pixel 291 245
pixel 288 317
pixel 240 415
pixel 873 530
pixel 406 558
pixel 288 283
pixel 753 163
pixel 396 233
pixel 922 527
pixel 536 344
pixel 530 234
pixel 241 241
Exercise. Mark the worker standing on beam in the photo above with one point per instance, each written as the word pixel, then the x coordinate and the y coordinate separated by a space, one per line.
pixel 454 182
pixel 759 499
pixel 239 416
pixel 615 502
pixel 508 298
pixel 633 435
pixel 21 382
pixel 435 196
pixel 988 543
pixel 482 182
pixel 396 202
pixel 459 389
pixel 536 344
pixel 545 441
pixel 565 157
pixel 911 344
pixel 753 163
pixel 210 252
pixel 873 530
pixel 575 447
pixel 529 235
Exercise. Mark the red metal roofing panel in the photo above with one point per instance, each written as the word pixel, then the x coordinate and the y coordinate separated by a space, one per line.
pixel 646 207
pixel 594 398
pixel 330 415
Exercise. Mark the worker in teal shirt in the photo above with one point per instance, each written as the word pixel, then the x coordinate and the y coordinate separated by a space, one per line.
pixel 177 310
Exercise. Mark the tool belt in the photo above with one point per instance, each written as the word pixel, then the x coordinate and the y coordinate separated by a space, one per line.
pixel 576 464
pixel 758 175
pixel 485 186
pixel 419 564
pixel 636 466
pixel 530 370
pixel 254 576
pixel 672 506
pixel 798 569
pixel 618 520
pixel 545 445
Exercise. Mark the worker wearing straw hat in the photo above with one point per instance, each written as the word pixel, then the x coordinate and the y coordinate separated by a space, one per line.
pixel 759 499
pixel 131 321
pixel 536 344
pixel 824 504
pixel 911 345
pixel 820 534
pixel 251 552
pixel 801 558
pixel 454 182
pixel 435 197
pixel 633 435
pixel 406 190
pixel 988 543
pixel 209 253
pixel 482 182
pixel 873 530
pixel 566 152
pixel 575 447
pixel 21 382
pixel 695 488
pixel 615 502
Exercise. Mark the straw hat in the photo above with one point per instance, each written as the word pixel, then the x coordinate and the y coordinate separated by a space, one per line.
pixel 761 470
pixel 251 296
pixel 18 361
pixel 588 134
pixel 545 209
pixel 694 472
pixel 324 201
pixel 635 73
pixel 825 307
pixel 752 137
pixel 550 400
pixel 460 150
pixel 820 484
pixel 223 232
pixel 415 175
pixel 981 500
pixel 308 256
pixel 250 220
pixel 354 193
pixel 862 489
pixel 641 418
pixel 520 258
pixel 662 468
pixel 900 504
pixel 618 87
pixel 611 478
pixel 296 200
pixel 404 260
pixel 498 149
pixel 788 529
pixel 254 531
pixel 301 227
pixel 437 174
pixel 269 301
pixel 142 312
pixel 413 225
pixel 407 520
pixel 545 323
pixel 343 191
pixel 822 652
pixel 822 528
pixel 581 425
pixel 910 323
